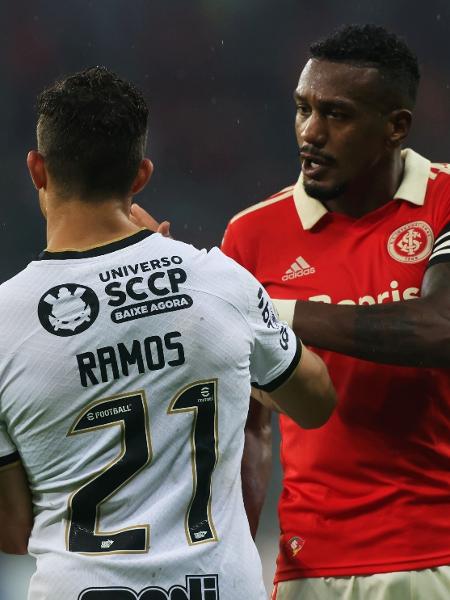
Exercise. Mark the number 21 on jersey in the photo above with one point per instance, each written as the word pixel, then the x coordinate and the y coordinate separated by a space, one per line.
pixel 129 412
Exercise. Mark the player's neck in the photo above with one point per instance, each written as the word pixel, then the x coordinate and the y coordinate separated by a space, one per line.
pixel 374 189
pixel 74 224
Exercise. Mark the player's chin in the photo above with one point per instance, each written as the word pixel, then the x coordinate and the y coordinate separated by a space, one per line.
pixel 322 190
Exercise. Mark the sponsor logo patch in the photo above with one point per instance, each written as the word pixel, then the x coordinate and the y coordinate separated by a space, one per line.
pixel 270 318
pixel 139 297
pixel 411 243
pixel 203 587
pixel 151 307
pixel 299 268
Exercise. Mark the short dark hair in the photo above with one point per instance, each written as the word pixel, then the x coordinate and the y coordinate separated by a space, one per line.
pixel 374 46
pixel 92 132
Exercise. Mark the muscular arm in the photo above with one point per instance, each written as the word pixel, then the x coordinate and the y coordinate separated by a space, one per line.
pixel 408 333
pixel 16 515
pixel 256 461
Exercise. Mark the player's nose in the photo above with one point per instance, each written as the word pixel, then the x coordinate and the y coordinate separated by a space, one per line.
pixel 313 130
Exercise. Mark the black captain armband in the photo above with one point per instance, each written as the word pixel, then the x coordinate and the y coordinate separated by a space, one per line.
pixel 278 381
pixel 441 248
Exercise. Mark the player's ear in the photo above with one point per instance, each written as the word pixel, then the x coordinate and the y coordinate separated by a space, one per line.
pixel 399 124
pixel 37 169
pixel 143 175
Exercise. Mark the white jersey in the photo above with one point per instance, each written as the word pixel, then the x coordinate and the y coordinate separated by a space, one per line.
pixel 124 386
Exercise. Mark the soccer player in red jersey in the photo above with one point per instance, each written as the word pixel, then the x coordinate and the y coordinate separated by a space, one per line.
pixel 358 252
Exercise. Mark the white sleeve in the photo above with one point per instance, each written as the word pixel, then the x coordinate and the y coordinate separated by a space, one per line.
pixel 8 452
pixel 276 351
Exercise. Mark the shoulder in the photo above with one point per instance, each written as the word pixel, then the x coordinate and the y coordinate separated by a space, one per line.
pixel 426 185
pixel 15 306
pixel 170 246
pixel 219 275
pixel 249 229
pixel 10 290
pixel 440 177
pixel 264 209
pixel 438 194
pixel 216 266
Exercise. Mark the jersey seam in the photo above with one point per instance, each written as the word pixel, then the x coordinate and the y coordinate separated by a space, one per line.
pixel 286 195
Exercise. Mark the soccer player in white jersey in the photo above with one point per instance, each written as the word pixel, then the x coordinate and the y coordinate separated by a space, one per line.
pixel 126 360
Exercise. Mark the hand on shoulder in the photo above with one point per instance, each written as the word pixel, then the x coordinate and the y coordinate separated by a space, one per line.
pixel 140 217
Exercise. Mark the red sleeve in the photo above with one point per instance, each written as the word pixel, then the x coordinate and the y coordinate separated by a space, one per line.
pixel 239 243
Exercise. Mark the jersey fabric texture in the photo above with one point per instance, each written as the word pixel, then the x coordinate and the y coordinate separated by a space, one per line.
pixel 370 491
pixel 125 375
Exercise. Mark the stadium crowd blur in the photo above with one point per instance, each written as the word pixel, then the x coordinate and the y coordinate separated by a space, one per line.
pixel 219 77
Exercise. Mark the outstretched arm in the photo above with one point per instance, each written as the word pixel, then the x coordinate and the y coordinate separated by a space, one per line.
pixel 408 333
pixel 307 397
pixel 16 514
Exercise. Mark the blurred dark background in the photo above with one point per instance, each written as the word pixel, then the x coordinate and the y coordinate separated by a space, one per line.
pixel 219 77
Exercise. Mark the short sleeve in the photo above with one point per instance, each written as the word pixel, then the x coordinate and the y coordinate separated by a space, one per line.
pixel 441 248
pixel 8 452
pixel 276 350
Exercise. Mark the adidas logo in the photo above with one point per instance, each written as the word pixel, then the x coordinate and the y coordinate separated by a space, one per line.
pixel 299 268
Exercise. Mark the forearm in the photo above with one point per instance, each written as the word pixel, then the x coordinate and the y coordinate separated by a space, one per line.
pixel 15 527
pixel 16 513
pixel 256 468
pixel 409 333
pixel 14 536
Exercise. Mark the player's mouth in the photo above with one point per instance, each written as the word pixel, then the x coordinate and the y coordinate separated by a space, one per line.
pixel 315 166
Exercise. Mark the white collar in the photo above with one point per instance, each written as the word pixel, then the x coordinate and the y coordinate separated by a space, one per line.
pixel 412 189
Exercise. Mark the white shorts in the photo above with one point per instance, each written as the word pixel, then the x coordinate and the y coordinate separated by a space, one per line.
pixel 426 584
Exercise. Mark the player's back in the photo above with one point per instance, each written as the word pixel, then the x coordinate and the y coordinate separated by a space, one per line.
pixel 124 385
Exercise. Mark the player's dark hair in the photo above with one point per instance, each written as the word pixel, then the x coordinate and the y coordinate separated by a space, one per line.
pixel 374 46
pixel 92 130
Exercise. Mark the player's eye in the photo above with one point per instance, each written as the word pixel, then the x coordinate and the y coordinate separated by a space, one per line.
pixel 337 114
pixel 303 109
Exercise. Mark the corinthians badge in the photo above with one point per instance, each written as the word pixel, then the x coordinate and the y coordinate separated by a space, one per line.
pixel 68 309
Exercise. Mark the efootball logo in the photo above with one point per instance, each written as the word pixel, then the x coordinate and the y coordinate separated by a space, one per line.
pixel 68 309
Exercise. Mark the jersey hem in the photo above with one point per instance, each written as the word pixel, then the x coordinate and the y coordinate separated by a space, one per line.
pixel 410 565
pixel 9 460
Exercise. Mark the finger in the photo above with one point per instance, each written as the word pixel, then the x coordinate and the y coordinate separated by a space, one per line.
pixel 143 218
pixel 164 229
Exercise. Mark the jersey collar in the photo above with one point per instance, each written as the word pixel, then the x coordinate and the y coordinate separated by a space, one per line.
pixel 112 246
pixel 412 189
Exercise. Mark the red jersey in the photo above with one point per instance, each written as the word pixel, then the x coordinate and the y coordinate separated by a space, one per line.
pixel 369 492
